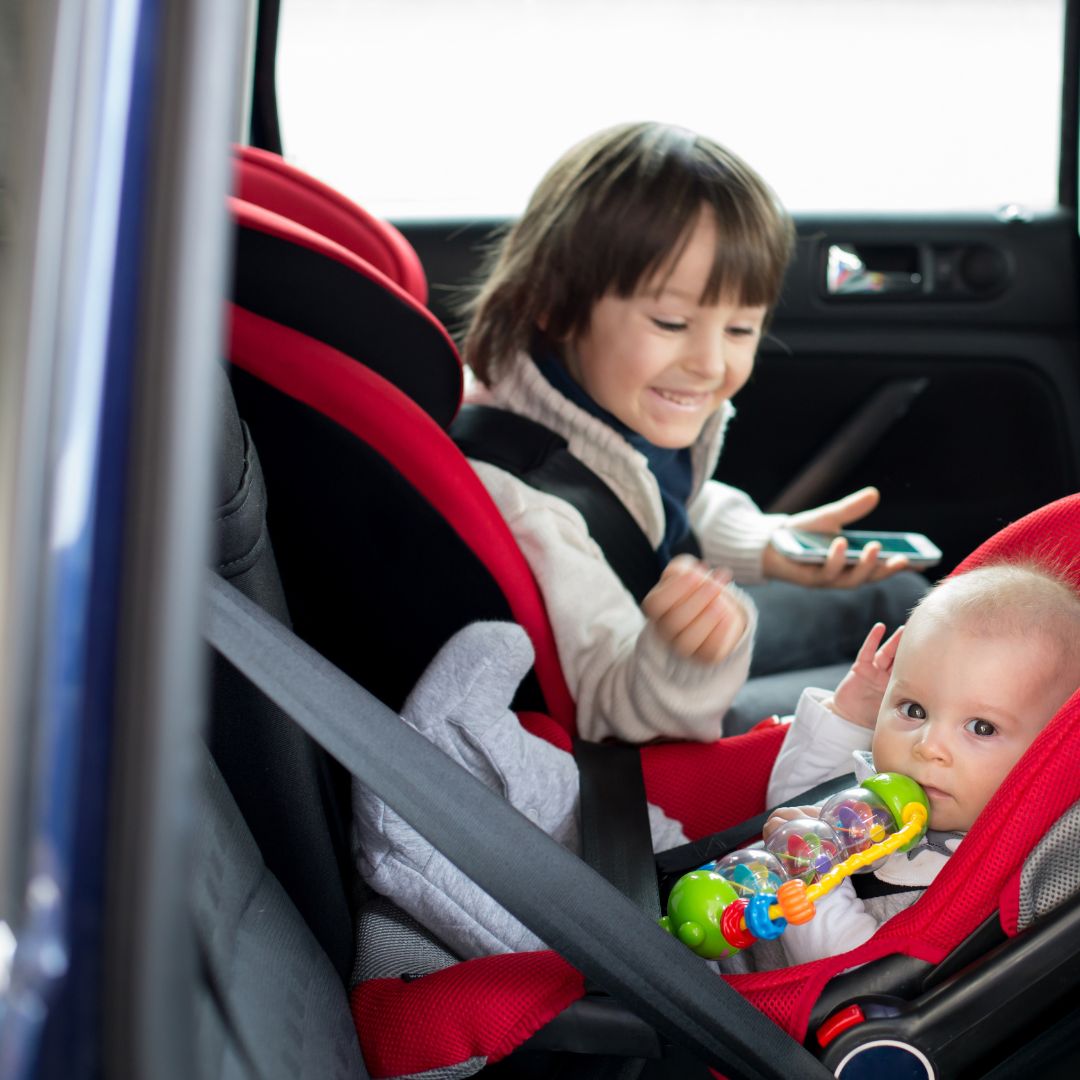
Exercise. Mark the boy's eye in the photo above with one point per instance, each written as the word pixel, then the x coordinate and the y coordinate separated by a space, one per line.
pixel 912 710
pixel 983 728
pixel 672 325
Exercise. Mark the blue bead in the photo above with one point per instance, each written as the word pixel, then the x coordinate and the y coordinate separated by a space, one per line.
pixel 757 918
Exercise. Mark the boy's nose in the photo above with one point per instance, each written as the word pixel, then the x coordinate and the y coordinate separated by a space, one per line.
pixel 708 359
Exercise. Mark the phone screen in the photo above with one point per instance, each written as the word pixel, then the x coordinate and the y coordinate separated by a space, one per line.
pixel 892 545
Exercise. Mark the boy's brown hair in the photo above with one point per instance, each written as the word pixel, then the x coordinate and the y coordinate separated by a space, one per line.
pixel 614 210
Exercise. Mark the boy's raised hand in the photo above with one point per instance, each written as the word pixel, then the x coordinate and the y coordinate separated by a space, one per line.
pixel 858 697
pixel 835 572
pixel 694 612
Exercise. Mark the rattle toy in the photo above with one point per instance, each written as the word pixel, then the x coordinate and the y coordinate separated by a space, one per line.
pixel 755 892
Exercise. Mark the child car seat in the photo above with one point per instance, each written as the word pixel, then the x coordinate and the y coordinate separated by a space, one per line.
pixel 332 363
pixel 311 384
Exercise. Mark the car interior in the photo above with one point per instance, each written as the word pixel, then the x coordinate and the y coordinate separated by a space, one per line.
pixel 220 928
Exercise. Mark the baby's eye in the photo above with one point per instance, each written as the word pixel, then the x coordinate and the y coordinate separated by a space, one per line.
pixel 742 331
pixel 983 728
pixel 671 325
pixel 912 710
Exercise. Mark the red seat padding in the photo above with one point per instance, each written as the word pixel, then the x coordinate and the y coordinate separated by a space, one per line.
pixel 294 276
pixel 269 181
pixel 482 1008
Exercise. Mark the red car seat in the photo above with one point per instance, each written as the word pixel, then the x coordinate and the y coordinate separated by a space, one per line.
pixel 333 363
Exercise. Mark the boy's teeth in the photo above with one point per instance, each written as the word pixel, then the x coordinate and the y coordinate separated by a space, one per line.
pixel 679 399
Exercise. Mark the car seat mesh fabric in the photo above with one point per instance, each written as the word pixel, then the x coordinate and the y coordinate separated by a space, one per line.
pixel 269 181
pixel 984 874
pixel 1050 876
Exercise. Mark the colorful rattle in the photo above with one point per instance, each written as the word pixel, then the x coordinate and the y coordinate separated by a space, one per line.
pixel 755 892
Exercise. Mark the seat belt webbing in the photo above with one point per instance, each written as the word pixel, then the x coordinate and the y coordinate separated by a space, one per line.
pixel 541 459
pixel 553 893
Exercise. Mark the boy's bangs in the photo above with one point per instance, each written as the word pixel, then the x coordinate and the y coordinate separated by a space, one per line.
pixel 748 261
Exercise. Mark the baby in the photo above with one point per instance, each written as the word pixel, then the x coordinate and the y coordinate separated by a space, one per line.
pixel 952 700
pixel 986 660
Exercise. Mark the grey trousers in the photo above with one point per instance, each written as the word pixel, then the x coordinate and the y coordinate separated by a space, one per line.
pixel 809 637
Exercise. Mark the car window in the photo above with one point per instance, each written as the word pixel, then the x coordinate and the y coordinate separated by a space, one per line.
pixel 426 108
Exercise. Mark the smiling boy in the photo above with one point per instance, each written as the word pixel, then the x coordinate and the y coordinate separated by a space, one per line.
pixel 953 701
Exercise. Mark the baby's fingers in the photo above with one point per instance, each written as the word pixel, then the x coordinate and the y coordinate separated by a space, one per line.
pixel 869 648
pixel 883 660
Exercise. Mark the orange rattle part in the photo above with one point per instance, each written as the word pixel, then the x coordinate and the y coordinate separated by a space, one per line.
pixel 797 907
pixel 733 928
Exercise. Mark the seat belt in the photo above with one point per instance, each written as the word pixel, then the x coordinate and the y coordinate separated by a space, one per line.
pixel 542 459
pixel 570 907
pixel 616 840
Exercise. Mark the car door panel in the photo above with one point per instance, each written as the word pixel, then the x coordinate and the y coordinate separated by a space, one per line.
pixel 970 383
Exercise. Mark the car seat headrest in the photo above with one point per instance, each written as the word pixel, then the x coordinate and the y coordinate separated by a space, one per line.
pixel 291 275
pixel 1049 536
pixel 267 180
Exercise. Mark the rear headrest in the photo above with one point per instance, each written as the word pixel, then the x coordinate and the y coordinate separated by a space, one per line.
pixel 292 275
pixel 269 181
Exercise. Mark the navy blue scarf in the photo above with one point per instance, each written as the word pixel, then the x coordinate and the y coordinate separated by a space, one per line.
pixel 671 467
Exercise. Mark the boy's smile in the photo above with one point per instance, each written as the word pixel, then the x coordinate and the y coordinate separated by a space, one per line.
pixel 660 361
pixel 961 708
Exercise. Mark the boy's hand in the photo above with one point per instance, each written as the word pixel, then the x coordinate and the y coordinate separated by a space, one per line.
pixel 858 697
pixel 835 572
pixel 787 813
pixel 694 612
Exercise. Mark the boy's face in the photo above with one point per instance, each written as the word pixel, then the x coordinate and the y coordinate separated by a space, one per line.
pixel 662 363
pixel 961 708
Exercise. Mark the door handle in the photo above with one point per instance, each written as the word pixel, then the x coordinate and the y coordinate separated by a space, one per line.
pixel 880 271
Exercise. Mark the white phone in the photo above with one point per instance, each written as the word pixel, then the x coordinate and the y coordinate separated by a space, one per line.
pixel 811 547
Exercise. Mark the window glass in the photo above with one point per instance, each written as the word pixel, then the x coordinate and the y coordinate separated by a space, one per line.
pixel 447 108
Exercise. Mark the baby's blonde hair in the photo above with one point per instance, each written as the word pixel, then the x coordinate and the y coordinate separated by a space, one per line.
pixel 1022 598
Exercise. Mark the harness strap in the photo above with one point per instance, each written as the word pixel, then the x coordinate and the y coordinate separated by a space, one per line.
pixel 542 459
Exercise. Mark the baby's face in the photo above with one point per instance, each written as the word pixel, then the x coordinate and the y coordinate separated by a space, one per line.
pixel 960 710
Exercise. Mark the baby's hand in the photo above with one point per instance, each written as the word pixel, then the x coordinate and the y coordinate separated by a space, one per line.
pixel 694 612
pixel 858 697
pixel 787 813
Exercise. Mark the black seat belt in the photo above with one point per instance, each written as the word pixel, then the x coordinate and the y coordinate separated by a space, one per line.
pixel 616 840
pixel 570 907
pixel 542 459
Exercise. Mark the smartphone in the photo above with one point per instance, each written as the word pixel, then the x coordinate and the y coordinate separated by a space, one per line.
pixel 812 547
